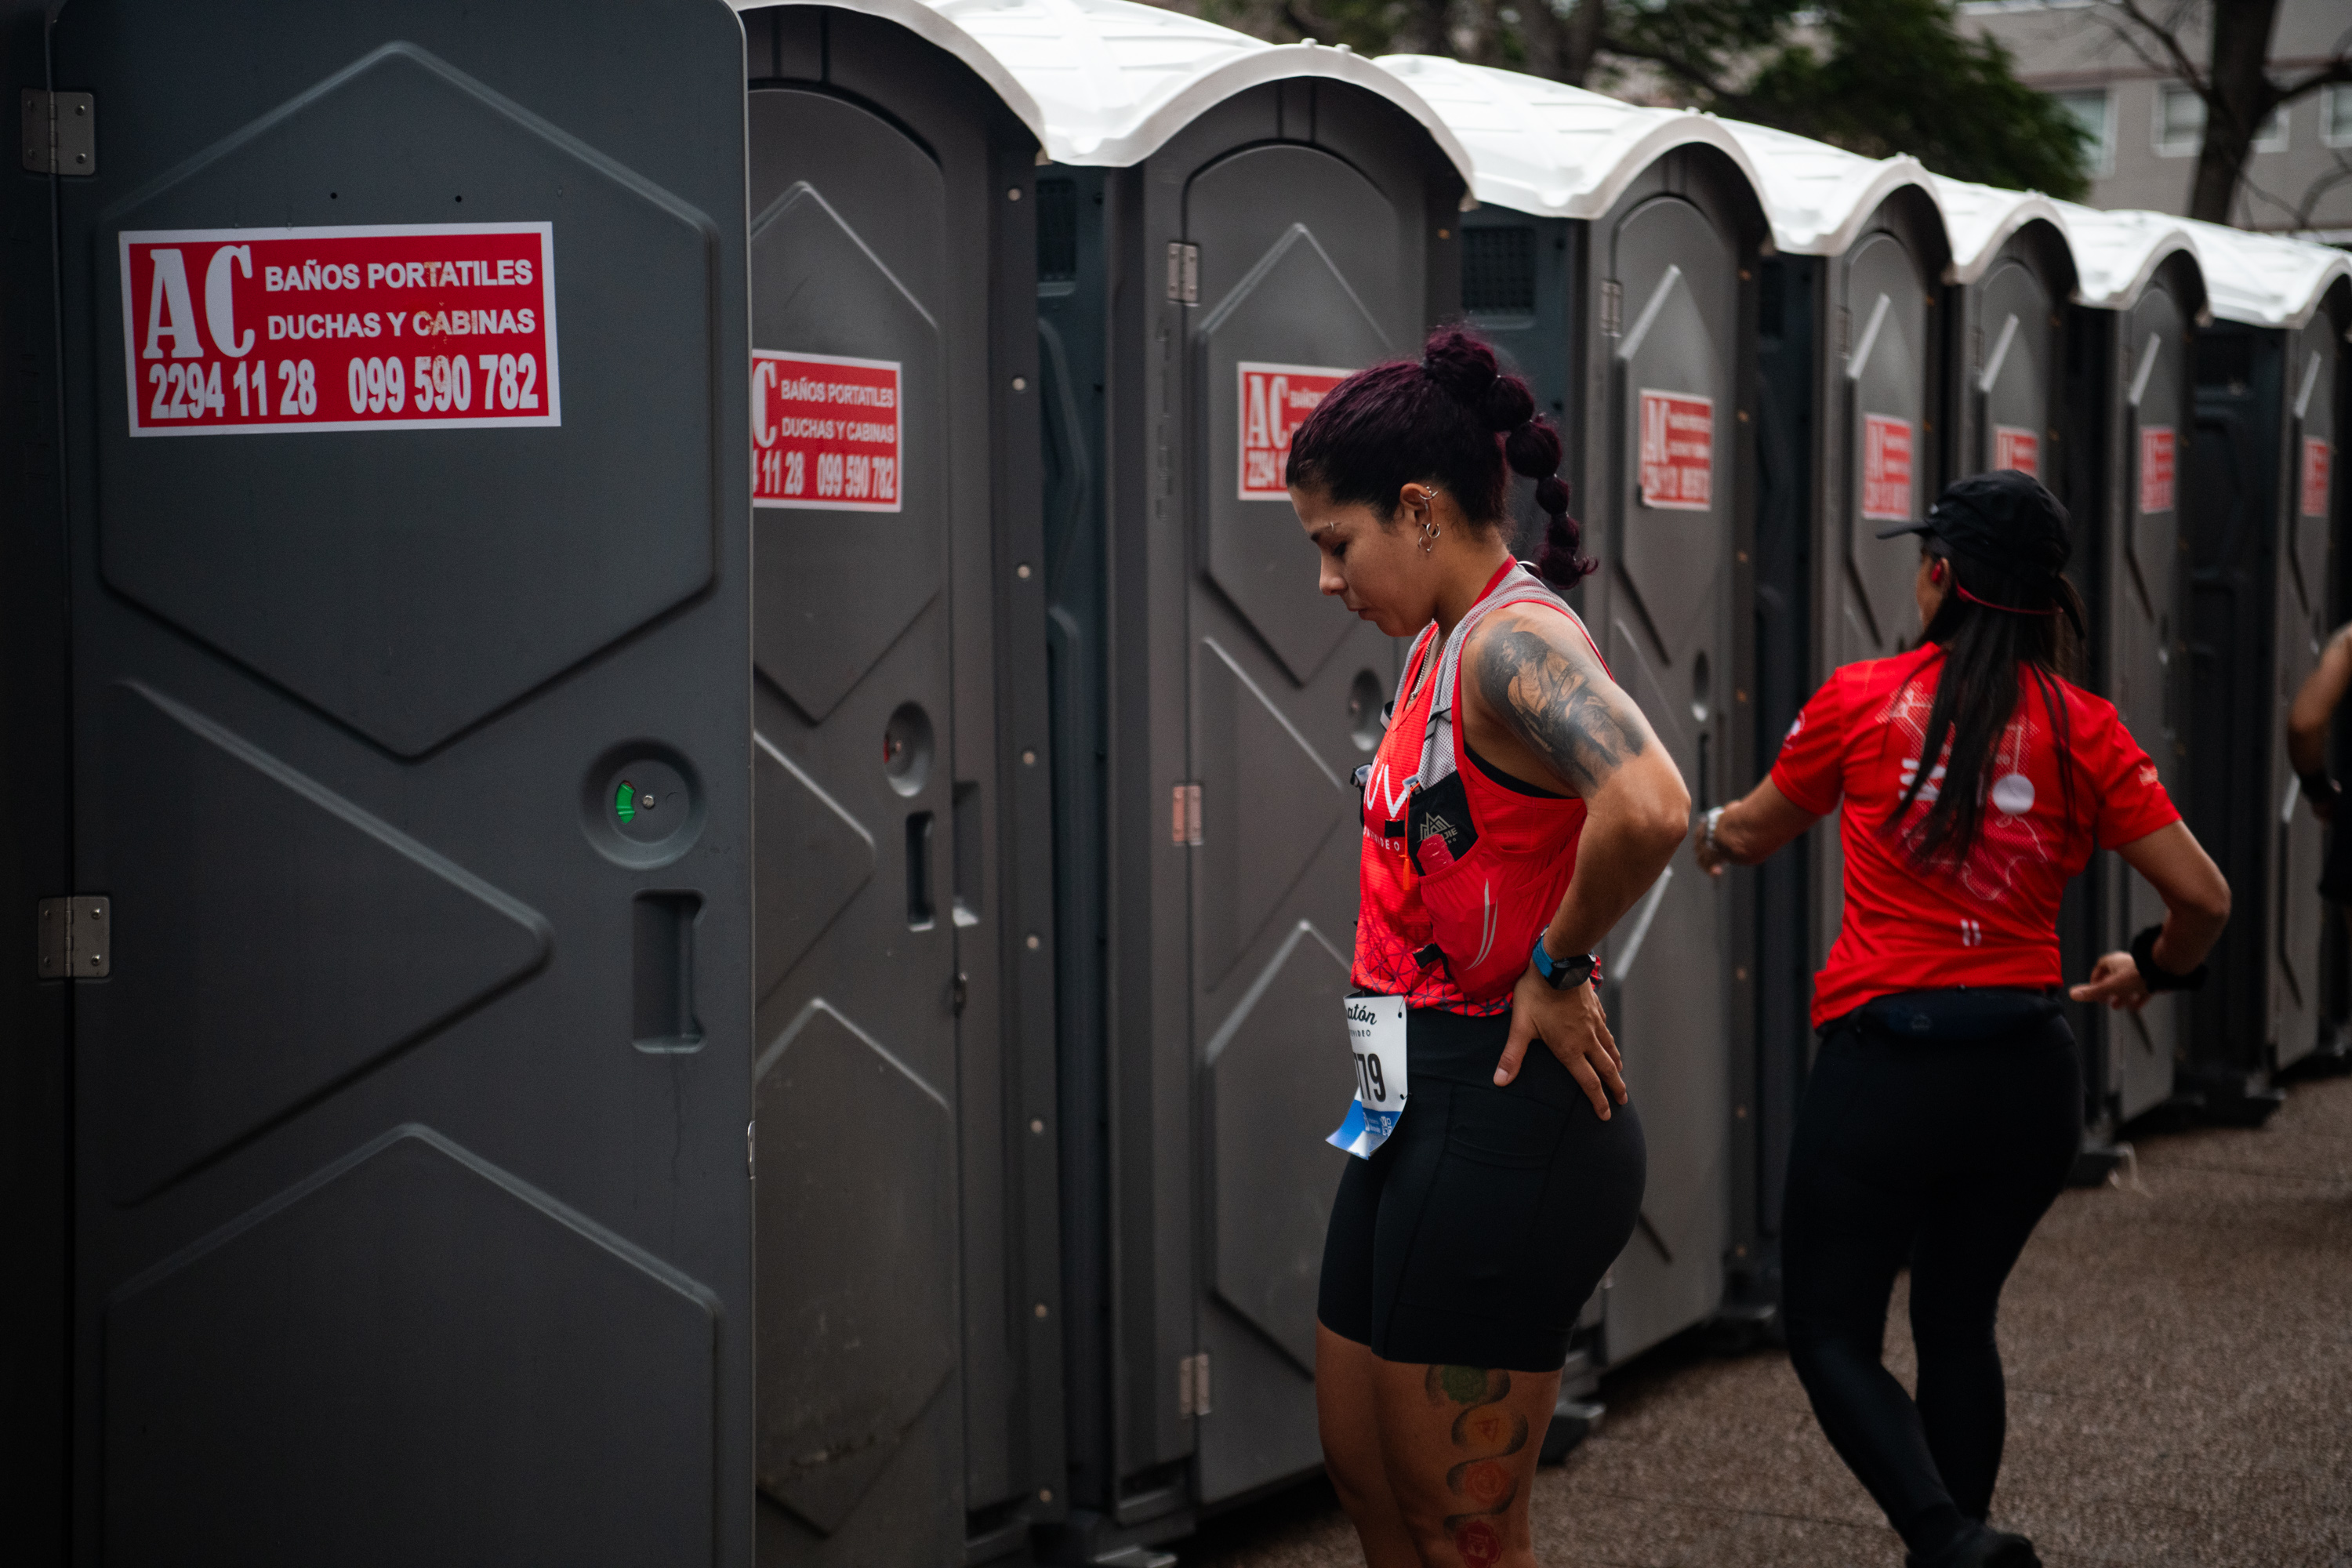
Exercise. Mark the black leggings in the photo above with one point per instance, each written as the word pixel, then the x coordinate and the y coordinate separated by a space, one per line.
pixel 1476 1233
pixel 1941 1154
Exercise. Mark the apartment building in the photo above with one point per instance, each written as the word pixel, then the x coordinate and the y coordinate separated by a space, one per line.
pixel 2148 124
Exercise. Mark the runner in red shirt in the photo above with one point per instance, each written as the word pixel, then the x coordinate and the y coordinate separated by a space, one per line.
pixel 1946 1104
pixel 1516 808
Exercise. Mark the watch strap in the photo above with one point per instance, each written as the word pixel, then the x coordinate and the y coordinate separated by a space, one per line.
pixel 1564 974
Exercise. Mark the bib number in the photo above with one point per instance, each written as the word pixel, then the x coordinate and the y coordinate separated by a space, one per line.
pixel 1376 1036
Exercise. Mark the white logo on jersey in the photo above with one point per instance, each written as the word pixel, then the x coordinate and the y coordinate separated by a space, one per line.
pixel 2013 794
pixel 1935 784
pixel 1972 933
pixel 1377 789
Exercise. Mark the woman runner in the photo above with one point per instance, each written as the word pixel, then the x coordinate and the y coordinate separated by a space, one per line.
pixel 1517 807
pixel 1946 1104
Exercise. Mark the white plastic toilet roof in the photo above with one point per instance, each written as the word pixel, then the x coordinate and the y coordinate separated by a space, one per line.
pixel 1107 82
pixel 1545 148
pixel 1979 219
pixel 1818 196
pixel 2116 253
pixel 929 25
pixel 2264 280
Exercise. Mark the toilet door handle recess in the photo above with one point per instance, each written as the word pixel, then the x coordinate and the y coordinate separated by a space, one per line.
pixel 922 912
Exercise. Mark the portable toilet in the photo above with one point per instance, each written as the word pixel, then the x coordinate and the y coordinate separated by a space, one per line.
pixel 1849 355
pixel 2130 383
pixel 420 742
pixel 1613 257
pixel 2269 382
pixel 2012 275
pixel 910 1394
pixel 1226 228
pixel 407 502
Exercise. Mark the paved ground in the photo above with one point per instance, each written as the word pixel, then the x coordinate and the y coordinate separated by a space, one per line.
pixel 2179 1358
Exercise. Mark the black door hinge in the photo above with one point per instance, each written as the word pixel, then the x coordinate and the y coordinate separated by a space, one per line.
pixel 77 938
pixel 60 132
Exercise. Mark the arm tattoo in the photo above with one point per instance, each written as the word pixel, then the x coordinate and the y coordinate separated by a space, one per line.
pixel 1488 1437
pixel 1555 702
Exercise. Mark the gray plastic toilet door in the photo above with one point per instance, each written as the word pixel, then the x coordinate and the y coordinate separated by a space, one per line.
pixel 862 823
pixel 406 366
pixel 1300 282
pixel 1886 468
pixel 2153 371
pixel 1664 625
pixel 1879 470
pixel 2010 377
pixel 2300 629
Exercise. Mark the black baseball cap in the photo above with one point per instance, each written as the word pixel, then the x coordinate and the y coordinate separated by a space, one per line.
pixel 2012 530
pixel 2004 520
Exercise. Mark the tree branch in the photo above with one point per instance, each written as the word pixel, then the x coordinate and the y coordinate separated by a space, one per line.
pixel 2320 187
pixel 2181 64
pixel 2335 71
pixel 1674 64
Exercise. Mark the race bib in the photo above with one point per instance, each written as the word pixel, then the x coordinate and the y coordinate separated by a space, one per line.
pixel 1376 1034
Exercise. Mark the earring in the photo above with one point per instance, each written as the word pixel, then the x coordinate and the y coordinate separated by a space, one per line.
pixel 1429 531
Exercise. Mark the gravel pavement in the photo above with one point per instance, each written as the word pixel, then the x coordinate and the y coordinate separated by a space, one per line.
pixel 2180 1357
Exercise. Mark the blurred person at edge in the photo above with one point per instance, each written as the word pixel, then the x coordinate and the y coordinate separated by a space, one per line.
pixel 1517 807
pixel 1946 1104
pixel 2306 750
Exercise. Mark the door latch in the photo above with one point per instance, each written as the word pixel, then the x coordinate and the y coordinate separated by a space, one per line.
pixel 60 132
pixel 77 938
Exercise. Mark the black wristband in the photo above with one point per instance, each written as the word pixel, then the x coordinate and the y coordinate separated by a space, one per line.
pixel 2143 952
pixel 2319 788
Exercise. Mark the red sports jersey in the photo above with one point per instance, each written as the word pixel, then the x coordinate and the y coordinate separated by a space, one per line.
pixel 1518 847
pixel 1994 920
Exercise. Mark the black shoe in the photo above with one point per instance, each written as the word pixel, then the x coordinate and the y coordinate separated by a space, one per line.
pixel 1981 1548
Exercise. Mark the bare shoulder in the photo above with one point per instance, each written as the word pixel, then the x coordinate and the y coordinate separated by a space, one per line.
pixel 1537 672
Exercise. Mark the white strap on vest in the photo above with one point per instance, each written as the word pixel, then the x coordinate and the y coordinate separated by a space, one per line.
pixel 1518 586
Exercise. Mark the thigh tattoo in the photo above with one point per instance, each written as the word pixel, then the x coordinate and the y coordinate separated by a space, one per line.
pixel 1487 1437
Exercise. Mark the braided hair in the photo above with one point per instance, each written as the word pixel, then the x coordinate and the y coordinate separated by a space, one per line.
pixel 1453 420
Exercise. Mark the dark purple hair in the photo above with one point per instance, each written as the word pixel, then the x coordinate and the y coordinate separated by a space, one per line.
pixel 1454 421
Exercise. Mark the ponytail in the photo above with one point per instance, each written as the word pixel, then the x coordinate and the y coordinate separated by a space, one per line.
pixel 1456 419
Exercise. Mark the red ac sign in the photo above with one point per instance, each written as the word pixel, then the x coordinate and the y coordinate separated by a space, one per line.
pixel 1886 468
pixel 1275 399
pixel 2014 447
pixel 2155 469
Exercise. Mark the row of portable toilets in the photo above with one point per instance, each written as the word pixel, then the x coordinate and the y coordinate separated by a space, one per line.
pixel 1047 1034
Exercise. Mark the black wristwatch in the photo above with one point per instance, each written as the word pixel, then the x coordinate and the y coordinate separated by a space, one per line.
pixel 1564 974
pixel 2143 952
pixel 2319 788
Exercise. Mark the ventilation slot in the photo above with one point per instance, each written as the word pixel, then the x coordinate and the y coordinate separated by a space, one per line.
pixel 1498 272
pixel 1057 231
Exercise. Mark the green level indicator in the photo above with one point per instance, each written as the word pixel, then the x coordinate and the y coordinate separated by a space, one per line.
pixel 624 801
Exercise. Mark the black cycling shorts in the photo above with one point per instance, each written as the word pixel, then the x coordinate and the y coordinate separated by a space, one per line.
pixel 1477 1233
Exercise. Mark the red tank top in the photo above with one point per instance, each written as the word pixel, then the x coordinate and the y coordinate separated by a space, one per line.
pixel 1500 857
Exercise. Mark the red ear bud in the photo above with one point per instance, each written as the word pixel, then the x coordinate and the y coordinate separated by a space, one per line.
pixel 1936 574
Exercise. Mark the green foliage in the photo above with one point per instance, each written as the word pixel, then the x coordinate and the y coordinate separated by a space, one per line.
pixel 1875 76
pixel 1899 77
